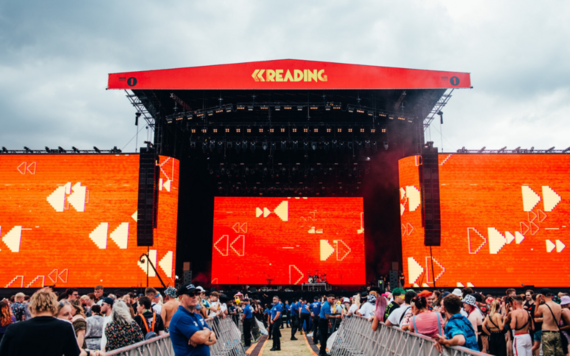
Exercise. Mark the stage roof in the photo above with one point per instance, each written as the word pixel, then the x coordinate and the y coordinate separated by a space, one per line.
pixel 289 74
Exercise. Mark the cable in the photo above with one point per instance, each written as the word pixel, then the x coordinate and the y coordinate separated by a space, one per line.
pixel 136 135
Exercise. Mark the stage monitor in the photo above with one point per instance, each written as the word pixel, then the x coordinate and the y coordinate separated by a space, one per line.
pixel 503 221
pixel 285 240
pixel 70 220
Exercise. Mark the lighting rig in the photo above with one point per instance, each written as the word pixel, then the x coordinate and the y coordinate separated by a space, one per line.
pixel 61 150
pixel 517 150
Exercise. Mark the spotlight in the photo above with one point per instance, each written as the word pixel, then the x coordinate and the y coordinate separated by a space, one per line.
pixel 264 145
pixel 283 145
pixel 61 150
pixel 371 113
pixel 306 146
pixel 238 146
pixel 314 145
pixel 204 146
pixel 229 145
pixel 295 145
pixel 300 108
pixel 277 108
pixel 75 149
pixel 192 144
pixel 386 145
pixel 96 149
pixel 212 145
pixel 350 109
pixel 327 107
pixel 229 108
pixel 27 149
pixel 264 107
pixel 367 144
pixel 220 146
pixel 350 145
pixel 250 108
pixel 4 149
pixel 210 112
pixel 273 146
pixel 252 146
pixel 47 149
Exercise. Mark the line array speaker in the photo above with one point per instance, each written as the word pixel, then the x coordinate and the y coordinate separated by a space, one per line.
pixel 148 196
pixel 429 177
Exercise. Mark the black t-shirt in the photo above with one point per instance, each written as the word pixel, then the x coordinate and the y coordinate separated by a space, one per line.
pixel 40 336
pixel 158 324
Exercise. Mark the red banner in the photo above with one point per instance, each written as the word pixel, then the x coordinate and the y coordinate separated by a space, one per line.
pixel 289 74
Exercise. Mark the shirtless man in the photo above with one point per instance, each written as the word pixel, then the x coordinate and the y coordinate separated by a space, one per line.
pixel 550 312
pixel 520 323
pixel 170 306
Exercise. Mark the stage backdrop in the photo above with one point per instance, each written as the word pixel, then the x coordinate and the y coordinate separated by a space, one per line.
pixel 286 239
pixel 70 220
pixel 504 221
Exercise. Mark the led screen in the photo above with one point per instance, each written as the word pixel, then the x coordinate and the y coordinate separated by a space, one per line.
pixel 71 220
pixel 284 240
pixel 504 221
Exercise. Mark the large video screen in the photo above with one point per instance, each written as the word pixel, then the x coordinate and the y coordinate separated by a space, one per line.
pixel 504 221
pixel 286 240
pixel 71 221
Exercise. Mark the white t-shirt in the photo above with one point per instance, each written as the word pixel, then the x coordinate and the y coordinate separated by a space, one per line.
pixel 157 308
pixel 215 309
pixel 367 310
pixel 224 308
pixel 353 309
pixel 103 337
pixel 397 314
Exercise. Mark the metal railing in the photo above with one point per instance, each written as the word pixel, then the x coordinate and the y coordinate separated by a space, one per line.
pixel 227 334
pixel 355 337
pixel 157 346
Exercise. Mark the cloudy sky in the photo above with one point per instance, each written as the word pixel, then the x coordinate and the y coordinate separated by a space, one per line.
pixel 55 57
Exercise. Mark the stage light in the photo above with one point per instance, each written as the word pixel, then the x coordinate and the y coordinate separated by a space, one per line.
pixel 305 129
pixel 350 130
pixel 371 113
pixel 339 130
pixel 548 150
pixel 227 130
pixel 350 145
pixel 241 107
pixel 248 130
pixel 372 130
pixel 260 130
pixel 336 107
pixel 212 146
pixel 264 145
pixel 264 107
pixel 283 145
pixel 74 149
pixel 381 114
pixel 367 144
pixel 27 149
pixel 271 130
pixel 329 130
pixel 250 108
pixel 228 108
pixel 360 111
pixel 238 130
pixel 294 130
pixel 391 117
pixel 96 149
pixel 4 149
pixel 47 149
pixel 566 150
pixel 327 107
pixel 287 107
pixel 350 109
pixel 210 112
pixel 384 130
pixel 214 130
pixel 386 145
pixel 179 118
pixel 229 145
pixel 299 108
pixel 295 145
pixel 219 111
pixel 361 130
pixel 238 146
pixel 204 130
pixel 314 145
pixel 193 131
pixel 169 120
pixel 282 129
pixel 252 146
pixel 277 108
pixel 504 148
pixel 314 107
pixel 402 118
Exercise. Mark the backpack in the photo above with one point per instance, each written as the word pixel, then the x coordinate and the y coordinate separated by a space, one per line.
pixel 149 332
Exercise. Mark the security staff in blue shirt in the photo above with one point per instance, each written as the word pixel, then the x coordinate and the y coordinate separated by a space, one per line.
pixel 305 317
pixel 294 319
pixel 324 317
pixel 189 333
pixel 247 321
pixel 266 320
pixel 315 311
pixel 276 312
pixel 287 312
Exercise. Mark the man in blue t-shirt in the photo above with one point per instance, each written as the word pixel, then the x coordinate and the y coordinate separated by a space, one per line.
pixel 275 320
pixel 324 317
pixel 287 312
pixel 189 333
pixel 266 322
pixel 247 321
pixel 458 330
pixel 294 319
pixel 315 311
pixel 306 317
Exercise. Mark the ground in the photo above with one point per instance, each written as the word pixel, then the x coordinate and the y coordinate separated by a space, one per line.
pixel 300 347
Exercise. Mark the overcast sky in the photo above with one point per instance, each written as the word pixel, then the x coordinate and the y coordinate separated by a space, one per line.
pixel 55 57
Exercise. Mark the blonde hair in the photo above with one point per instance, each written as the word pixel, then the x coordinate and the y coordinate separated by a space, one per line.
pixel 43 301
pixel 19 295
pixel 78 308
pixel 495 306
pixel 121 313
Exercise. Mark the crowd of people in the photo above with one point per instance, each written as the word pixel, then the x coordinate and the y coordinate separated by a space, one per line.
pixel 68 324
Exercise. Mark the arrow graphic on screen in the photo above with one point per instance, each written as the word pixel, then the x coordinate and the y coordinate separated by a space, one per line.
pixel 326 250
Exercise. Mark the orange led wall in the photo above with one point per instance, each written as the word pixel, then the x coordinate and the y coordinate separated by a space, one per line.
pixel 70 220
pixel 504 221
pixel 286 239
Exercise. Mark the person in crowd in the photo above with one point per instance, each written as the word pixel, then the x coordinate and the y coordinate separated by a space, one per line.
pixel 88 302
pixel 79 322
pixel 367 309
pixel 465 292
pixel 520 322
pixel 565 327
pixel 98 293
pixel 437 298
pixel 215 305
pixel 63 311
pixel 423 321
pixel 189 333
pixel 147 318
pixel 551 314
pixel 324 318
pixel 122 330
pixel 397 316
pixel 399 298
pixel 71 294
pixel 287 312
pixel 42 334
pixel 232 311
pixel 294 320
pixel 355 306
pixel 494 327
pixel 529 299
pixel 458 330
pixel 275 319
pixel 247 319
pixel 169 307
pixel 6 317
pixel 19 307
pixel 305 316
pixel 473 315
pixel 94 329
pixel 315 312
pixel 153 294
pixel 106 311
pixel 379 312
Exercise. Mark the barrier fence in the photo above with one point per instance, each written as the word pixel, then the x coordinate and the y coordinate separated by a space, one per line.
pixel 228 342
pixel 356 337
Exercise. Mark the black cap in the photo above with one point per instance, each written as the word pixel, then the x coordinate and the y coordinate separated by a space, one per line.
pixel 546 292
pixel 109 301
pixel 186 289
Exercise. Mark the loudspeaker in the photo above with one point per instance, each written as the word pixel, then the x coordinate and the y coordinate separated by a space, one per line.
pixel 187 277
pixel 148 197
pixel 393 279
pixel 429 178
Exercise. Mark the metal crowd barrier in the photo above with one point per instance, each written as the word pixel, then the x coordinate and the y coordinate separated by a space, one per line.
pixel 227 334
pixel 157 346
pixel 355 337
